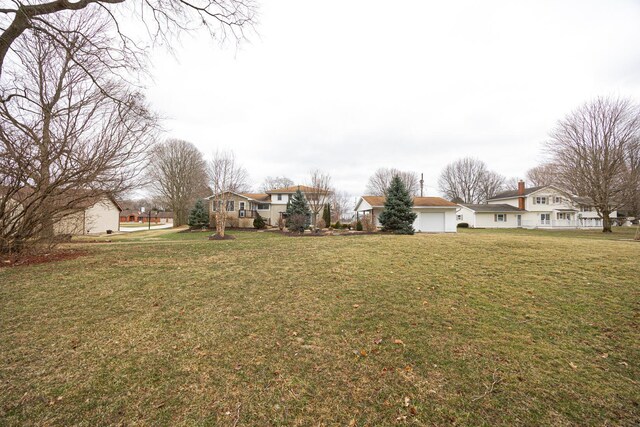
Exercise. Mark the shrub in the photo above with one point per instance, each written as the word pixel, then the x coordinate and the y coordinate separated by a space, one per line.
pixel 368 224
pixel 337 225
pixel 463 225
pixel 259 222
pixel 321 223
pixel 281 223
pixel 359 225
pixel 296 223
pixel 198 217
pixel 326 215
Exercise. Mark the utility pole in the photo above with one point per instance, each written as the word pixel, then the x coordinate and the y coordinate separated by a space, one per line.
pixel 421 184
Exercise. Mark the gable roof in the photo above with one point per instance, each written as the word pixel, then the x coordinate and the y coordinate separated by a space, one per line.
pixel 418 202
pixel 259 197
pixel 498 207
pixel 514 193
pixel 293 189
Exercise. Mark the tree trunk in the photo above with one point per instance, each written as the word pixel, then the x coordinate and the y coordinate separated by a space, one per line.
pixel 220 222
pixel 606 222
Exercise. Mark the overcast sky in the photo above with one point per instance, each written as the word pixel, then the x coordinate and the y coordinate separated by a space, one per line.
pixel 351 86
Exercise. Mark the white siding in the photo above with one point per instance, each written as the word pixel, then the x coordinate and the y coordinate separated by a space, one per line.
pixel 488 220
pixel 448 213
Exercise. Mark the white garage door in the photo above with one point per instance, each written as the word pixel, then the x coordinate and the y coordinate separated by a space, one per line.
pixel 431 222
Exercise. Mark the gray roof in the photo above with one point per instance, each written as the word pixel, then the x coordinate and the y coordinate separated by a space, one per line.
pixel 499 207
pixel 514 193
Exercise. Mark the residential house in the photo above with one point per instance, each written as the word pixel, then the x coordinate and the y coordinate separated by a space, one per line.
pixel 434 214
pixel 158 217
pixel 546 206
pixel 242 208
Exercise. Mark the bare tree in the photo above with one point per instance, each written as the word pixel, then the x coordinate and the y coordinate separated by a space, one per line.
pixel 511 183
pixel 491 184
pixel 341 206
pixel 319 193
pixel 544 174
pixel 469 181
pixel 272 183
pixel 226 176
pixel 380 181
pixel 65 143
pixel 592 148
pixel 163 20
pixel 178 177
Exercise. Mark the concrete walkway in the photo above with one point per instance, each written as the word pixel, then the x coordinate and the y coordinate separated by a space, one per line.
pixel 125 229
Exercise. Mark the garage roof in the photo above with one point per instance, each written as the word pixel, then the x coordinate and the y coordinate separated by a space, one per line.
pixel 499 207
pixel 418 202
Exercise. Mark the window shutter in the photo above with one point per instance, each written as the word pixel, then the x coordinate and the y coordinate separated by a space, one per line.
pixel 495 217
pixel 505 217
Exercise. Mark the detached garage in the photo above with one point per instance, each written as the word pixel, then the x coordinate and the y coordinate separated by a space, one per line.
pixel 435 214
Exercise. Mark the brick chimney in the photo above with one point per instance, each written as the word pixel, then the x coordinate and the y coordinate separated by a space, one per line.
pixel 521 194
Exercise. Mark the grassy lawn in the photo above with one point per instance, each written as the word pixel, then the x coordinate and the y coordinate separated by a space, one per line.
pixel 478 328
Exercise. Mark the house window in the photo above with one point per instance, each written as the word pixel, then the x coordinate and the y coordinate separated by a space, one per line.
pixel 557 200
pixel 459 217
pixel 545 218
pixel 241 206
pixel 540 200
pixel 279 196
pixel 500 218
pixel 263 206
pixel 586 208
pixel 231 206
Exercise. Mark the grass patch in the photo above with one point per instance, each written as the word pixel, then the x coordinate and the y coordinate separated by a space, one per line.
pixel 484 327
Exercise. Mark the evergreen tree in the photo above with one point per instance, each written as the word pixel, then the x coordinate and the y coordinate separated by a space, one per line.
pixel 259 222
pixel 397 215
pixel 198 217
pixel 297 212
pixel 359 225
pixel 326 215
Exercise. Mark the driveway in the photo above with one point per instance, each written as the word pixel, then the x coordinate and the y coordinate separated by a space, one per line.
pixel 125 229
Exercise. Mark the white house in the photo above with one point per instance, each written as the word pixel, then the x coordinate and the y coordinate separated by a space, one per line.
pixel 435 214
pixel 536 207
pixel 500 215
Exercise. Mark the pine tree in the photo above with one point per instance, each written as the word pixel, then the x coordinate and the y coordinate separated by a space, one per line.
pixel 397 215
pixel 359 225
pixel 198 217
pixel 259 222
pixel 298 212
pixel 326 215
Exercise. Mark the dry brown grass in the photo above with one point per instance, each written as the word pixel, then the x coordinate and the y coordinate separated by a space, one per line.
pixel 478 328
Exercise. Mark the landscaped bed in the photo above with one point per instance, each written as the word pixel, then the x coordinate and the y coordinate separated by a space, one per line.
pixel 481 327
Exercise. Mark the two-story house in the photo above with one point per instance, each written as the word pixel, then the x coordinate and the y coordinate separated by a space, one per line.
pixel 242 208
pixel 536 207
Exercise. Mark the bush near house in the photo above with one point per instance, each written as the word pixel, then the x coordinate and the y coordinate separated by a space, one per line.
pixel 198 217
pixel 359 225
pixel 259 222
pixel 298 212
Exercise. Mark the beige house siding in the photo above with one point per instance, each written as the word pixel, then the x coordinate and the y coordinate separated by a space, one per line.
pixel 233 217
pixel 96 219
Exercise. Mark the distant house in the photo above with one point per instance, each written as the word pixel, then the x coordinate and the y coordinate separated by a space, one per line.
pixel 536 207
pixel 242 208
pixel 131 215
pixel 434 214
